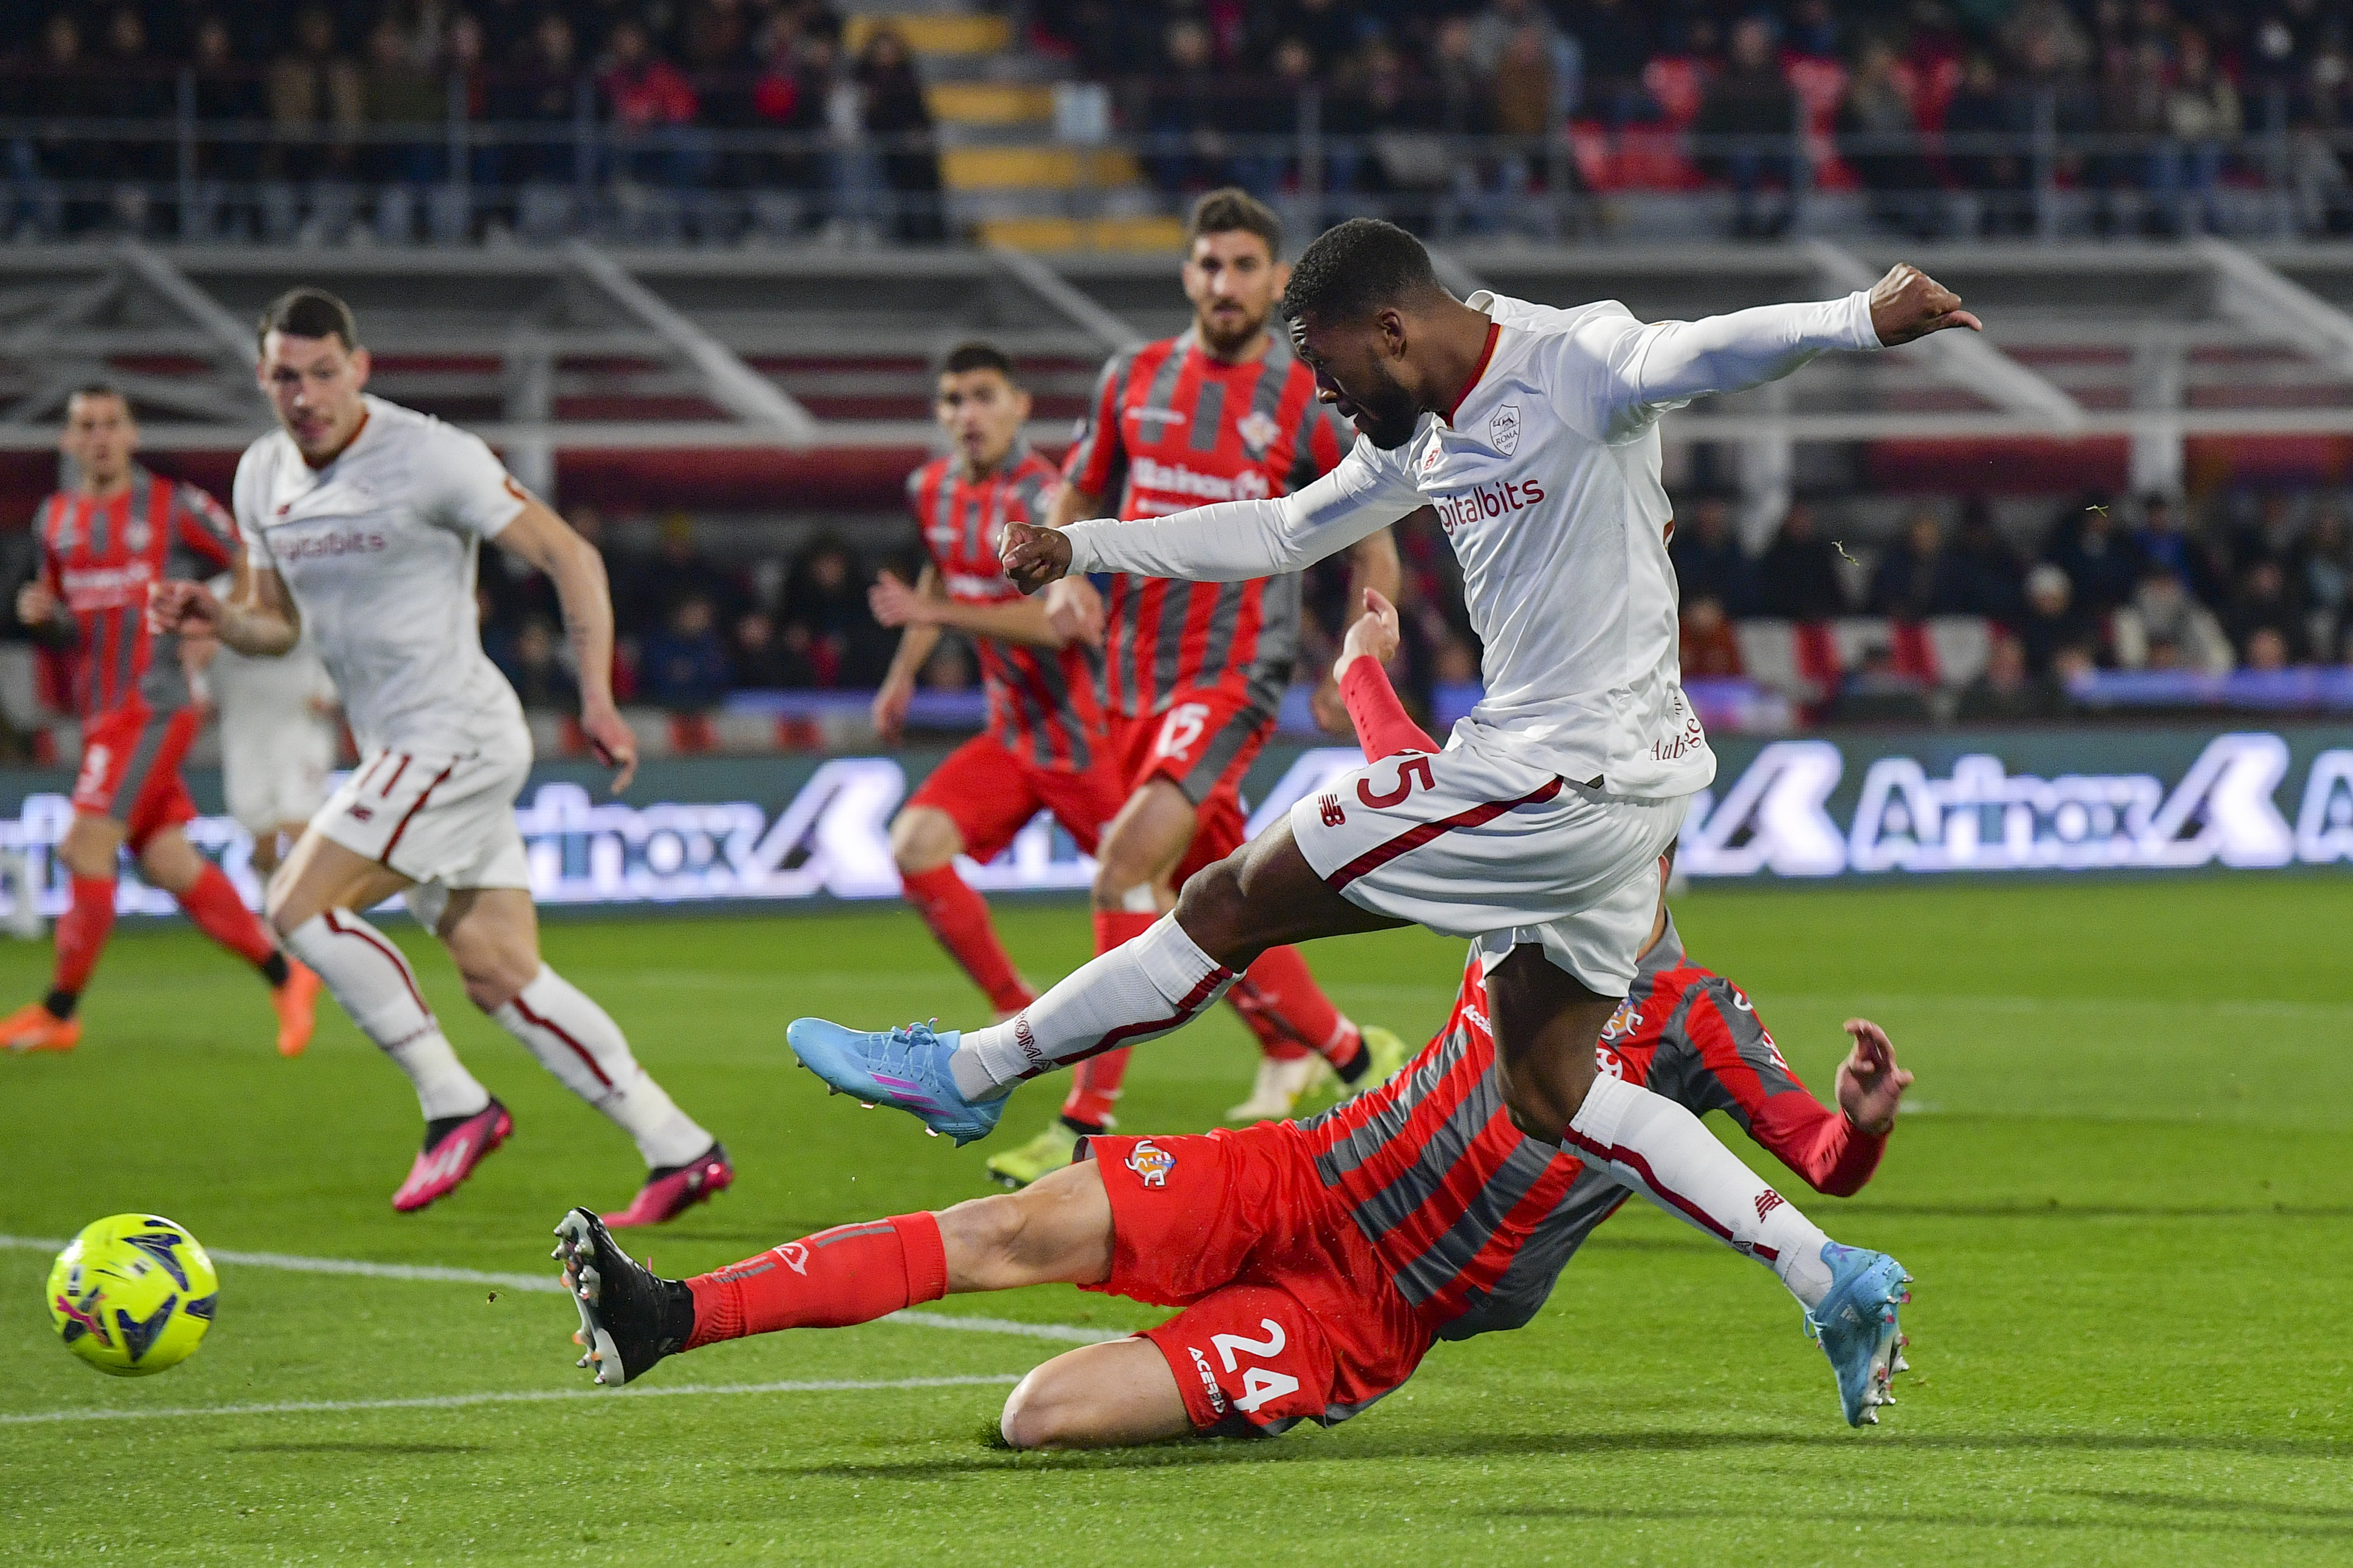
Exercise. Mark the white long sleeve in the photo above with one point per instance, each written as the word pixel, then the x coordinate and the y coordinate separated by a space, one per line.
pixel 1233 541
pixel 1619 374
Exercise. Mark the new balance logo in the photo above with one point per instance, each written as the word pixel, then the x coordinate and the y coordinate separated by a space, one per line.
pixel 1767 1202
pixel 1333 817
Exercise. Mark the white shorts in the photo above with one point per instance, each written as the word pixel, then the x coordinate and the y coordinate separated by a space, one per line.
pixel 1474 842
pixel 443 822
pixel 276 774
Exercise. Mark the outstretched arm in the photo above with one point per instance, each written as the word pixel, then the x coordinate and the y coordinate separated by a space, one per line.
pixel 1383 727
pixel 1231 542
pixel 257 617
pixel 1669 362
pixel 1741 1071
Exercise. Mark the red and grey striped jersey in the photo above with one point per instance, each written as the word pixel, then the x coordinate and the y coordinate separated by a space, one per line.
pixel 1042 701
pixel 1172 429
pixel 99 557
pixel 1474 1220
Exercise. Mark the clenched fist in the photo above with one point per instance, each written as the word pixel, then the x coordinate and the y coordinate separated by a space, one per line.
pixel 1033 556
pixel 1908 304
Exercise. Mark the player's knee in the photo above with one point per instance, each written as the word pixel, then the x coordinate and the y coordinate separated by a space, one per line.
pixel 1215 910
pixel 924 840
pixel 1041 1414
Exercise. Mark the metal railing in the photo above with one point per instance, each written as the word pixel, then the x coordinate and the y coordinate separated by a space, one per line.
pixel 464 178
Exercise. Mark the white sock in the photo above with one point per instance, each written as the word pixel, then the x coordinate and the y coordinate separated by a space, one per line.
pixel 376 987
pixel 1137 991
pixel 578 1042
pixel 1662 1150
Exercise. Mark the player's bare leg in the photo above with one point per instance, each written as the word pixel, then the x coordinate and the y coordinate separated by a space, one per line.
pixel 1109 1395
pixel 493 933
pixel 925 844
pixel 91 851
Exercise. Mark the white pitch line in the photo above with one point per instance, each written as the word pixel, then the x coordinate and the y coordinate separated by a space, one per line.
pixel 549 1284
pixel 510 1396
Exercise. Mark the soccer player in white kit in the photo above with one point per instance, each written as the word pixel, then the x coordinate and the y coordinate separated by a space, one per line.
pixel 1534 433
pixel 277 738
pixel 361 522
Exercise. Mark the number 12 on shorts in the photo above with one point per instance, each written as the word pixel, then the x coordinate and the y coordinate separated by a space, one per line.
pixel 1178 732
pixel 1259 1385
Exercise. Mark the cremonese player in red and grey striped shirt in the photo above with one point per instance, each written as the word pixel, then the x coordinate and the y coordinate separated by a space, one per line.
pixel 1194 672
pixel 1043 747
pixel 102 542
pixel 1317 1261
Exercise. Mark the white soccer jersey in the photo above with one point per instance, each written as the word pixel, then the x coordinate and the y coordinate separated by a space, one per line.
pixel 1546 477
pixel 378 549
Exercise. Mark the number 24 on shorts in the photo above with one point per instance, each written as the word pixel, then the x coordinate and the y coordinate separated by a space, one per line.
pixel 1259 1385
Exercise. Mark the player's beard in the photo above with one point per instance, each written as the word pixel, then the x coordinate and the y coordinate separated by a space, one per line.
pixel 1224 342
pixel 1388 416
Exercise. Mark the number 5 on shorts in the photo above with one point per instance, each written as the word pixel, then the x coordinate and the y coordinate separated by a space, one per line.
pixel 1184 726
pixel 1259 1385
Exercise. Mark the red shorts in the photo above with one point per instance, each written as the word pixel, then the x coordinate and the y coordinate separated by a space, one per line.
pixel 990 794
pixel 1289 1315
pixel 131 769
pixel 1203 742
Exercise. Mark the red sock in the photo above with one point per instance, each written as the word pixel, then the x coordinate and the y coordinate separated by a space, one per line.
pixel 959 918
pixel 1289 1011
pixel 212 903
pixel 1094 1082
pixel 851 1273
pixel 82 931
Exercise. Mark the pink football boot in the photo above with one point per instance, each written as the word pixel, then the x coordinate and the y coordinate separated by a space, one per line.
pixel 450 1159
pixel 672 1190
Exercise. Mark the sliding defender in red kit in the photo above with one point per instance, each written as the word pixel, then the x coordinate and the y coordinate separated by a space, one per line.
pixel 1194 673
pixel 1316 1262
pixel 103 542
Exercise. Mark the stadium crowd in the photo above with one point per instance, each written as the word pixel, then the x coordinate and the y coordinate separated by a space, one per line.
pixel 2256 581
pixel 2152 106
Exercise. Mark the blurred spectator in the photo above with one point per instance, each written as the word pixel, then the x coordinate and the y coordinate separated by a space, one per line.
pixel 2267 650
pixel 1876 692
pixel 2324 558
pixel 542 92
pixel 2163 538
pixel 1617 40
pixel 1328 28
pixel 651 104
pixel 2051 620
pixel 1708 560
pixel 761 662
pixel 1918 577
pixel 680 570
pixel 1538 67
pixel 1709 650
pixel 1880 139
pixel 133 86
pixel 826 618
pixel 2006 690
pixel 899 120
pixel 1751 104
pixel 1798 576
pixel 316 101
pixel 410 104
pixel 2267 601
pixel 2132 104
pixel 531 665
pixel 2165 629
pixel 1991 572
pixel 790 86
pixel 683 667
pixel 1991 113
pixel 2101 565
pixel 1524 92
pixel 2201 113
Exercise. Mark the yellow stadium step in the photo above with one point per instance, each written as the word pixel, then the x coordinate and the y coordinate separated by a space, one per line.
pixel 1064 234
pixel 990 103
pixel 948 33
pixel 1037 168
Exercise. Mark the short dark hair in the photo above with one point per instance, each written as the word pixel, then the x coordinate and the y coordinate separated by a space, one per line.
pixel 1356 268
pixel 1232 210
pixel 979 356
pixel 309 313
pixel 99 389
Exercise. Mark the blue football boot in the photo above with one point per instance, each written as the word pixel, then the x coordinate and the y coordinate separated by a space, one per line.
pixel 905 1067
pixel 1855 1325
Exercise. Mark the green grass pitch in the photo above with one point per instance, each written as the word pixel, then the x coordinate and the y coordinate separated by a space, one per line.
pixel 2126 1197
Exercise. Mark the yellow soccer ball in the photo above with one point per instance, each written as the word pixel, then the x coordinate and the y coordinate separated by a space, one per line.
pixel 133 1294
